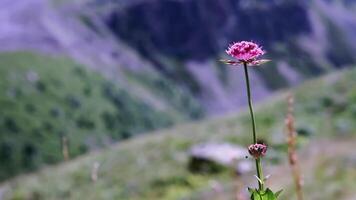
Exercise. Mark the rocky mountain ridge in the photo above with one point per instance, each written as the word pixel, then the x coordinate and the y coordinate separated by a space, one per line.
pixel 180 42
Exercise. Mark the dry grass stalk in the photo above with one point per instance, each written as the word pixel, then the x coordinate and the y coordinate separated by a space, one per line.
pixel 94 171
pixel 292 153
pixel 65 151
pixel 240 195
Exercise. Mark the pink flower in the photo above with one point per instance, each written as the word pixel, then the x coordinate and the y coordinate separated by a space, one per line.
pixel 245 52
pixel 257 150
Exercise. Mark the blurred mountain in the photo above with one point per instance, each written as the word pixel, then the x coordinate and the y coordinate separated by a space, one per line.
pixel 303 38
pixel 181 41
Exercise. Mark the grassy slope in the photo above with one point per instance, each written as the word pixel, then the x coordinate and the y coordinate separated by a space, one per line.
pixel 44 98
pixel 154 166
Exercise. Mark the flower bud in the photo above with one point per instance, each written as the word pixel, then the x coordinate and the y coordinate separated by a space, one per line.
pixel 257 150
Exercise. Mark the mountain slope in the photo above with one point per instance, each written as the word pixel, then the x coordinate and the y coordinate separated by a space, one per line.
pixel 64 30
pixel 180 41
pixel 44 99
pixel 183 40
pixel 154 167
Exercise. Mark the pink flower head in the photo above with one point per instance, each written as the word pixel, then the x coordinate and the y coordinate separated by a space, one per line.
pixel 245 52
pixel 257 150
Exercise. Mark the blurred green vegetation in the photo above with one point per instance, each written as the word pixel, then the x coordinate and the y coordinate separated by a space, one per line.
pixel 155 166
pixel 43 99
pixel 178 99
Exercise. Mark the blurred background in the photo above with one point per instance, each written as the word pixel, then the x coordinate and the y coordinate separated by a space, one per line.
pixel 127 99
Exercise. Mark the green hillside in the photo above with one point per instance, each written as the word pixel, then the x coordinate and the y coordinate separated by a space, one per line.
pixel 44 99
pixel 154 166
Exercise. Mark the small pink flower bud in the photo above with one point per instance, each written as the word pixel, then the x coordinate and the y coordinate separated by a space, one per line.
pixel 257 150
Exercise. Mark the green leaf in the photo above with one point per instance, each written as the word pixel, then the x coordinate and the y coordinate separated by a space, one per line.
pixel 255 195
pixel 251 190
pixel 278 193
pixel 263 195
pixel 270 195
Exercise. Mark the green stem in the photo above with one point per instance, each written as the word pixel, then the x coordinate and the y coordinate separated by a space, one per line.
pixel 258 161
pixel 250 104
pixel 259 173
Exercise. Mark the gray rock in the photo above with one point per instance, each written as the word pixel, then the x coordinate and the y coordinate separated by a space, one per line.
pixel 215 157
